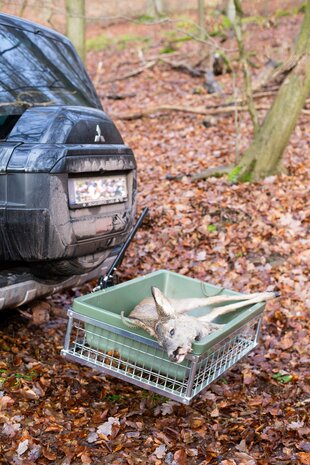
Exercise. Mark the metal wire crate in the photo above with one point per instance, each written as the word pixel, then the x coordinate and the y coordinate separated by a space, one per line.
pixel 141 361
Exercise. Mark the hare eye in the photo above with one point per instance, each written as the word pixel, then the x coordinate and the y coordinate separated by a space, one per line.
pixel 171 332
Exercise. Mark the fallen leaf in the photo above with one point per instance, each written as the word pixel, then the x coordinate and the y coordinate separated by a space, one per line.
pixel 85 458
pixel 295 425
pixel 40 312
pixel 22 447
pixel 28 393
pixel 242 447
pixel 215 413
pixel 49 454
pixel 160 451
pixel 304 458
pixel 166 408
pixel 5 402
pixel 180 457
pixel 106 428
pixel 246 459
pixel 248 376
pixel 92 437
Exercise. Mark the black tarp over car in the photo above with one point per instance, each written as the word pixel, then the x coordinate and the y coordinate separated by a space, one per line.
pixel 56 142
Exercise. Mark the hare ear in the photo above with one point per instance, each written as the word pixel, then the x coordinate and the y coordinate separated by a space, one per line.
pixel 163 306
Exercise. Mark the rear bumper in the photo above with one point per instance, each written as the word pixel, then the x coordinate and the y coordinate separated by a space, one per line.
pixel 19 286
pixel 37 224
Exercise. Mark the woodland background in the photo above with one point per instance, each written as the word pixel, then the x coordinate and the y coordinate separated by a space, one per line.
pixel 249 237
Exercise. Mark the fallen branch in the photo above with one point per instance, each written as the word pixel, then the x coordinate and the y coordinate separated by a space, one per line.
pixel 216 172
pixel 132 73
pixel 264 77
pixel 183 66
pixel 115 96
pixel 177 177
pixel 218 110
pixel 212 110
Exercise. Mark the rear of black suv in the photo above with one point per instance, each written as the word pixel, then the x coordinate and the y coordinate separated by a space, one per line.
pixel 67 180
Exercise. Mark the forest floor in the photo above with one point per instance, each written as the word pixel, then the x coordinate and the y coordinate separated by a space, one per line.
pixel 246 237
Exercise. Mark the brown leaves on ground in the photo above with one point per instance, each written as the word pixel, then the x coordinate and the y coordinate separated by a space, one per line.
pixel 249 237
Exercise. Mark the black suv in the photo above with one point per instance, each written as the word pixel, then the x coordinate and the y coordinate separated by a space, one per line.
pixel 67 180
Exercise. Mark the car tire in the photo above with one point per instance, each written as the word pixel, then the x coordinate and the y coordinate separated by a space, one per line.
pixel 69 267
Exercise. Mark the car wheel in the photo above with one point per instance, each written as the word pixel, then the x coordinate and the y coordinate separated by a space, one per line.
pixel 69 267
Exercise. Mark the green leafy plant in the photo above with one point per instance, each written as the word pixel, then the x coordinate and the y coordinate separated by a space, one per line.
pixel 103 41
pixel 145 19
pixel 112 397
pixel 282 378
pixel 99 42
pixel 212 227
pixel 233 175
pixel 125 39
pixel 26 376
pixel 171 41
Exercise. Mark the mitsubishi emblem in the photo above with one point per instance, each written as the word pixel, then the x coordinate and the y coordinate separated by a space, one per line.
pixel 99 137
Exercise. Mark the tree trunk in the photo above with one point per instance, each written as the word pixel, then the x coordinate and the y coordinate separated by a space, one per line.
pixel 237 27
pixel 154 8
pixel 76 25
pixel 264 156
pixel 202 19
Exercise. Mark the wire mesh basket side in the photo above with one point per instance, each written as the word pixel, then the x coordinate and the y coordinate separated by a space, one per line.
pixel 148 366
pixel 126 358
pixel 225 354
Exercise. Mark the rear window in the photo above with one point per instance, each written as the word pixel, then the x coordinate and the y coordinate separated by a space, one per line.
pixel 40 70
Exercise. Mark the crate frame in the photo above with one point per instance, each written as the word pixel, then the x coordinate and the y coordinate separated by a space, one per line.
pixel 200 370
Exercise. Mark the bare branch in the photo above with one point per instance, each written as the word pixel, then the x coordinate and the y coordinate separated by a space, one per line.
pixel 131 74
pixel 219 110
